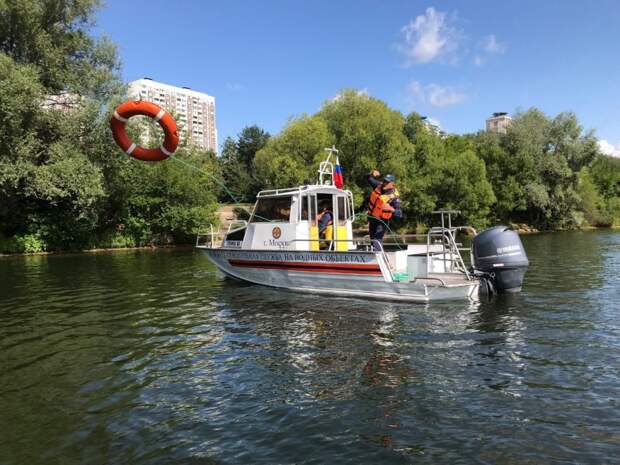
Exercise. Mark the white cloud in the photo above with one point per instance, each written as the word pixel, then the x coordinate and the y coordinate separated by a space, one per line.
pixel 434 94
pixel 488 46
pixel 433 122
pixel 235 86
pixel 491 45
pixel 609 149
pixel 361 92
pixel 430 37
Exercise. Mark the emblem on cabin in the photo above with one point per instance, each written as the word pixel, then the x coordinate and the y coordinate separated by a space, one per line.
pixel 276 232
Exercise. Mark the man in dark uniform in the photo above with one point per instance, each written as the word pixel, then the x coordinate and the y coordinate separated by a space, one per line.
pixel 383 204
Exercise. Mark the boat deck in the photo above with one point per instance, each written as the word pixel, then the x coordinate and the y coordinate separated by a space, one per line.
pixel 450 279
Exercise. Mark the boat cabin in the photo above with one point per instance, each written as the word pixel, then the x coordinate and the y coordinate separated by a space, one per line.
pixel 289 219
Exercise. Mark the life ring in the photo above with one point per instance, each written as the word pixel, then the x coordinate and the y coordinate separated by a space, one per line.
pixel 140 107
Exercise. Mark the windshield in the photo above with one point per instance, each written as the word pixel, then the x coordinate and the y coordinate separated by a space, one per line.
pixel 270 209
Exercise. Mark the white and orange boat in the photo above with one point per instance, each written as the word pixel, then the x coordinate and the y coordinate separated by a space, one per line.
pixel 279 246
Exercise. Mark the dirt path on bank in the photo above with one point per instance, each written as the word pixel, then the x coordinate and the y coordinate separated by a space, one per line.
pixel 226 214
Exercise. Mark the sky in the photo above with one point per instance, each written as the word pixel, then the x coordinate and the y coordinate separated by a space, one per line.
pixel 453 61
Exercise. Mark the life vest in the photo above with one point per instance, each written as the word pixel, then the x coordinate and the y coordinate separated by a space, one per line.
pixel 141 107
pixel 376 203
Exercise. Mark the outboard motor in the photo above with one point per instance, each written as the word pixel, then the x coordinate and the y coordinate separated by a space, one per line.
pixel 498 255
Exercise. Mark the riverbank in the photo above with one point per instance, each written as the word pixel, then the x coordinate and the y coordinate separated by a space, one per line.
pixel 521 229
pixel 100 250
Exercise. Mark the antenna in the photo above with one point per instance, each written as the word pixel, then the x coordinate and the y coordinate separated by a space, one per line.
pixel 326 167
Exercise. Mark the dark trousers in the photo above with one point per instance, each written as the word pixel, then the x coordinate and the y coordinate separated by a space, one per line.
pixel 376 230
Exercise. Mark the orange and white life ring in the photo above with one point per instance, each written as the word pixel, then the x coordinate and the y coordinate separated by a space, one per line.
pixel 140 107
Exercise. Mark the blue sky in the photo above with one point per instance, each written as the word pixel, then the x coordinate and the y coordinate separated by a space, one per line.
pixel 455 61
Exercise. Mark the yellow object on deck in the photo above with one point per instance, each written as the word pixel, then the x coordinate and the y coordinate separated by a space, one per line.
pixel 314 238
pixel 341 238
pixel 329 233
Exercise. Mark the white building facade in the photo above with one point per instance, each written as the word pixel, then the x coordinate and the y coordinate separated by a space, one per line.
pixel 499 122
pixel 194 111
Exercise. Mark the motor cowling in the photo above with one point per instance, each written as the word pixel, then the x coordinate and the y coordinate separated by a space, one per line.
pixel 498 255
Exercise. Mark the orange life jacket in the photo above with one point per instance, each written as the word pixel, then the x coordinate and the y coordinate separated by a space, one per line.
pixel 375 205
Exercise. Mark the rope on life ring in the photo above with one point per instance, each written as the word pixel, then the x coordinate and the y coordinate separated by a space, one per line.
pixel 140 107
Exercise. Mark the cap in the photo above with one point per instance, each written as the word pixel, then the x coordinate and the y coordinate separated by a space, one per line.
pixel 389 178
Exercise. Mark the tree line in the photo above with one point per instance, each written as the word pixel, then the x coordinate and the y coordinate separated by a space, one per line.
pixel 545 172
pixel 65 185
pixel 63 182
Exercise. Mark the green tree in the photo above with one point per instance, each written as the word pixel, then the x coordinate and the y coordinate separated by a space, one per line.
pixel 54 37
pixel 533 168
pixel 165 202
pixel 63 181
pixel 48 183
pixel 605 173
pixel 292 157
pixel 592 203
pixel 237 163
pixel 369 135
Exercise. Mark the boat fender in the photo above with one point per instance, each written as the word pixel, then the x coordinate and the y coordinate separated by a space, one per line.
pixel 141 107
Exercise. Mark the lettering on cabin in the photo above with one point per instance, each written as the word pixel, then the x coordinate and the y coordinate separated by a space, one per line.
pixel 298 257
pixel 274 243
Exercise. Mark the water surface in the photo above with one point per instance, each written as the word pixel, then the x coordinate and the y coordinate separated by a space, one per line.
pixel 151 358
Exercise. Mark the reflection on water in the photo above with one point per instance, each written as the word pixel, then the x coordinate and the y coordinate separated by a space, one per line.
pixel 150 357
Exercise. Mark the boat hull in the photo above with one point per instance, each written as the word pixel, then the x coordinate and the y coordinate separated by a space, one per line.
pixel 345 274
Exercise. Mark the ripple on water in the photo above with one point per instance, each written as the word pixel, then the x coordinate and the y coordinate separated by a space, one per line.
pixel 150 357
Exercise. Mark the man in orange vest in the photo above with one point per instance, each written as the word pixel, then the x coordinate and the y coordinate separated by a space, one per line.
pixel 384 203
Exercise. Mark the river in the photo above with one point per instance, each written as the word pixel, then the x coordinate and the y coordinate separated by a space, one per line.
pixel 149 357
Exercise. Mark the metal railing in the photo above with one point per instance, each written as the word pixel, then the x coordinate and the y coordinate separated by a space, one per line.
pixel 243 223
pixel 355 242
pixel 445 237
pixel 202 235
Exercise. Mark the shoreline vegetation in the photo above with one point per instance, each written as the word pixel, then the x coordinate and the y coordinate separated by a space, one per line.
pixel 65 186
pixel 99 251
pixel 521 229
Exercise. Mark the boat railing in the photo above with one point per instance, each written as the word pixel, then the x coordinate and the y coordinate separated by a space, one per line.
pixel 240 224
pixel 451 253
pixel 443 236
pixel 331 243
pixel 212 238
pixel 288 190
pixel 430 278
pixel 201 237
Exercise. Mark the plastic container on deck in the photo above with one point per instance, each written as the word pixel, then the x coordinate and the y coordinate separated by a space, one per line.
pixel 400 277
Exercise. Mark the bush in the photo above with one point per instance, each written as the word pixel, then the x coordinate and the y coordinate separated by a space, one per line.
pixel 114 240
pixel 27 243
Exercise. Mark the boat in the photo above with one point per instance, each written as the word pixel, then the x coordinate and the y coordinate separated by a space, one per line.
pixel 279 246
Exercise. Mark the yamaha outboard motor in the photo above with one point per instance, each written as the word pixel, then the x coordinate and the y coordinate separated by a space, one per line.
pixel 499 257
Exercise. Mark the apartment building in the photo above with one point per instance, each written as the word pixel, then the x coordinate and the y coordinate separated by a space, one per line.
pixel 194 111
pixel 499 122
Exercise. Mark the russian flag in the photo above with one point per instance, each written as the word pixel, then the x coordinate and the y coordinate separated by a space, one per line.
pixel 338 181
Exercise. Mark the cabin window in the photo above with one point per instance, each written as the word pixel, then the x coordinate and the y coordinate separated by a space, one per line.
pixel 272 209
pixel 325 200
pixel 350 214
pixel 342 212
pixel 312 210
pixel 304 208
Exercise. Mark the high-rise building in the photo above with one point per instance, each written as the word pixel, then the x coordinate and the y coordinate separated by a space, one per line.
pixel 194 111
pixel 499 122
